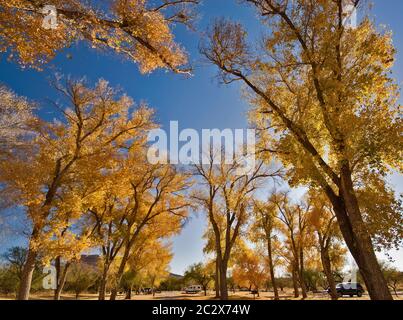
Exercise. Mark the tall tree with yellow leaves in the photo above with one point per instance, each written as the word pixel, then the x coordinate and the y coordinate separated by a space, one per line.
pixel 141 199
pixel 250 270
pixel 324 102
pixel 323 222
pixel 98 123
pixel 139 30
pixel 149 261
pixel 294 218
pixel 263 229
pixel 226 197
pixel 155 197
pixel 73 236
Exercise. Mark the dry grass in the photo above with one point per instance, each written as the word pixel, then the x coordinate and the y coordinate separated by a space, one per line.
pixel 286 295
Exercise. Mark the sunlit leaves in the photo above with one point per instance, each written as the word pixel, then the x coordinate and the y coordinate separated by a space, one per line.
pixel 139 30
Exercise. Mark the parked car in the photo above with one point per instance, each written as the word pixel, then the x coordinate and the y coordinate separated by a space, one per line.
pixel 193 289
pixel 349 289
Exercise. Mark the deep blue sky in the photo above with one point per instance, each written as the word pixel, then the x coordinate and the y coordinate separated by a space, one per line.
pixel 198 102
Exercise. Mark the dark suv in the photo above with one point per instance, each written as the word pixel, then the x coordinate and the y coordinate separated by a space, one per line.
pixel 349 289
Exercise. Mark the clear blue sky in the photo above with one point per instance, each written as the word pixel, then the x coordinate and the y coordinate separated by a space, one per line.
pixel 198 102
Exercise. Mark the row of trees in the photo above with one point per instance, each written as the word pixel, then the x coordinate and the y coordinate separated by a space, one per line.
pixel 85 275
pixel 85 182
pixel 295 238
pixel 324 104
pixel 285 235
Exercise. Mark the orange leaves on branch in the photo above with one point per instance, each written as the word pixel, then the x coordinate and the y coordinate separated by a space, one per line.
pixel 139 30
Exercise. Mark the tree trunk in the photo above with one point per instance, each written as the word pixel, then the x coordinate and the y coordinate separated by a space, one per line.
pixel 217 279
pixel 27 273
pixel 60 278
pixel 294 281
pixel 357 237
pixel 301 274
pixel 223 281
pixel 360 243
pixel 102 283
pixel 271 266
pixel 128 294
pixel 114 294
pixel 120 273
pixel 327 268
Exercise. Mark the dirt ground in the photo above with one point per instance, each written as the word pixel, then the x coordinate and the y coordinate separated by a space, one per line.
pixel 176 295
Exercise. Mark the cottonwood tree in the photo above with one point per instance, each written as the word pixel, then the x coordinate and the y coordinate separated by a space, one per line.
pixel 323 222
pixel 250 270
pixel 67 237
pixel 141 197
pixel 265 229
pixel 138 30
pixel 98 123
pixel 226 197
pixel 105 218
pixel 148 264
pixel 143 200
pixel 158 268
pixel 294 218
pixel 201 274
pixel 210 248
pixel 157 197
pixel 324 103
pixel 149 260
pixel 393 276
pixel 80 277
pixel 15 259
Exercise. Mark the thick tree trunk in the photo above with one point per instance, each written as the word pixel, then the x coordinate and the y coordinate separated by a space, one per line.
pixel 120 273
pixel 363 254
pixel 360 243
pixel 356 236
pixel 102 283
pixel 271 266
pixel 223 281
pixel 27 273
pixel 327 268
